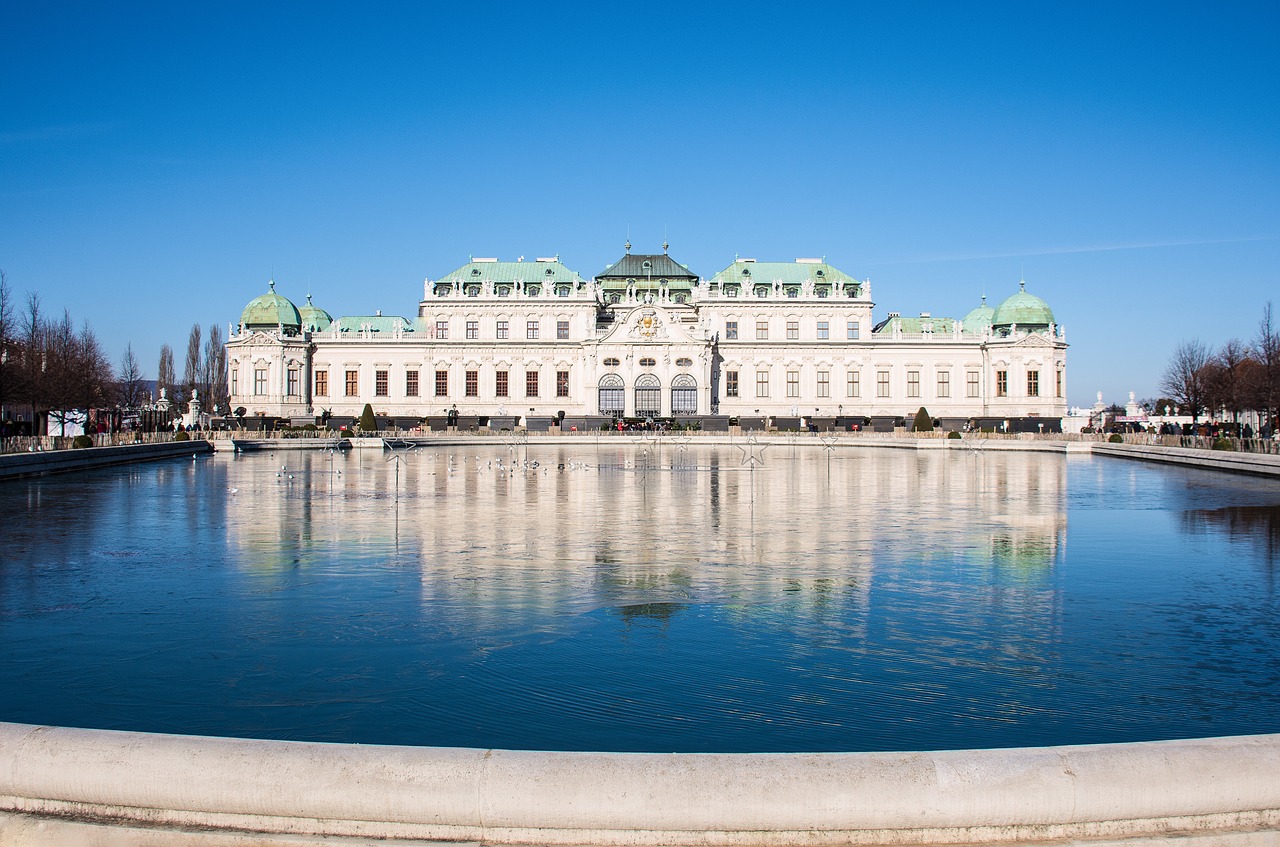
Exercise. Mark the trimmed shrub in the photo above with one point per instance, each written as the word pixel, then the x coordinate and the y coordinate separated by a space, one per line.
pixel 1116 438
pixel 310 427
pixel 953 434
pixel 1223 444
pixel 367 421
pixel 80 442
pixel 181 436
pixel 923 423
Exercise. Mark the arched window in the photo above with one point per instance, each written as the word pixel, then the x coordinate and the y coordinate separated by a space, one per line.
pixel 648 396
pixel 612 391
pixel 684 395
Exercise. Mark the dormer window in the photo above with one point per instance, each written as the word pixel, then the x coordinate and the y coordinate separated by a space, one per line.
pixel 475 272
pixel 646 265
pixel 762 291
pixel 681 298
pixel 818 274
pixel 746 271
pixel 550 272
pixel 822 291
pixel 504 290
pixel 562 291
pixel 473 291
pixel 793 292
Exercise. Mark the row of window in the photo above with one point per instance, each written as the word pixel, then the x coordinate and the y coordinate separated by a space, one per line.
pixel 852 330
pixel 502 330
pixel 853 384
pixel 381 383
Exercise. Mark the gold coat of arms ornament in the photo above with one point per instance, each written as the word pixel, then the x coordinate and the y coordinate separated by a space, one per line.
pixel 648 325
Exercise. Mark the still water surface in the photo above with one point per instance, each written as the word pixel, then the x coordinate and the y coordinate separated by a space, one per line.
pixel 653 598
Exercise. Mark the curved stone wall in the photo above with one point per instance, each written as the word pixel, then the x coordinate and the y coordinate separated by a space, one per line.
pixel 75 786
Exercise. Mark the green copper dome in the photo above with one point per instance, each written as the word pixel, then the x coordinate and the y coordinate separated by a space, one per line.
pixel 314 319
pixel 270 311
pixel 979 319
pixel 1023 309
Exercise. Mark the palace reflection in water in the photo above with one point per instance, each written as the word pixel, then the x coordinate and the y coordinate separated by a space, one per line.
pixel 645 596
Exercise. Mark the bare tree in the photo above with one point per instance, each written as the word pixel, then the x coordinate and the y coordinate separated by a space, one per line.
pixel 191 373
pixel 1266 350
pixel 166 376
pixel 1184 377
pixel 1224 378
pixel 8 348
pixel 215 370
pixel 129 379
pixel 33 363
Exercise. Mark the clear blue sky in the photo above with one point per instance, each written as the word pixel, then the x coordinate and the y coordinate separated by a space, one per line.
pixel 159 162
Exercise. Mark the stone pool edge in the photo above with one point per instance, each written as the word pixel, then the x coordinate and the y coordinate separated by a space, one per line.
pixel 61 785
pixel 19 465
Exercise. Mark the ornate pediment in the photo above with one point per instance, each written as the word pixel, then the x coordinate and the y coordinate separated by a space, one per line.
pixel 649 324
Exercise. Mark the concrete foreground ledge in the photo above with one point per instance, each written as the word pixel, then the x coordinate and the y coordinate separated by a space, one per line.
pixel 16 465
pixel 75 786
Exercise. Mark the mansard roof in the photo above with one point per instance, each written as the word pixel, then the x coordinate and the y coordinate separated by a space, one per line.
pixel 746 271
pixel 661 266
pixel 381 324
pixel 541 271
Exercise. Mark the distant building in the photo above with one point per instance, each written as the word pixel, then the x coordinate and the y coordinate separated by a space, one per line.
pixel 647 337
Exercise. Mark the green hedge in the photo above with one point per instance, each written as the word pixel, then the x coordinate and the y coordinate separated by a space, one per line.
pixel 80 442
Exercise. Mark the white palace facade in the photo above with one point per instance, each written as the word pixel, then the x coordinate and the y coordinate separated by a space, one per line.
pixel 648 338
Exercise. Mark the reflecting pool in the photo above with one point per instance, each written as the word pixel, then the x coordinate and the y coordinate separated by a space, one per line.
pixel 658 596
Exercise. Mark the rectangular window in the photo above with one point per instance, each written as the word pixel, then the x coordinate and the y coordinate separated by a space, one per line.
pixel 411 383
pixel 731 330
pixel 944 383
pixel 824 383
pixel 322 383
pixel 473 383
pixel 882 383
pixel 291 382
pixel 562 330
pixel 473 330
pixel 853 384
pixel 531 330
pixel 442 329
pixel 793 330
pixel 1033 383
pixel 380 383
pixel 1002 383
pixel 235 383
pixel 913 383
pixel 851 330
pixel 259 381
pixel 1058 392
pixel 501 387
pixel 793 383
pixel 353 384
pixel 530 383
pixel 442 383
pixel 730 383
pixel 972 383
pixel 503 330
pixel 824 331
pixel 762 383
pixel 562 383
pixel 762 330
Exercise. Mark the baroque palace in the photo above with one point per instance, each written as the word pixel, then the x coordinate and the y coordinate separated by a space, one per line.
pixel 648 338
